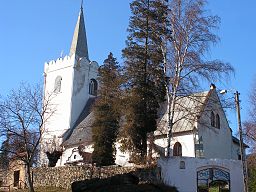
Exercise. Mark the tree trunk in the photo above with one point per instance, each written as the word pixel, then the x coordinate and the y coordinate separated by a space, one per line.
pixel 150 147
pixel 29 178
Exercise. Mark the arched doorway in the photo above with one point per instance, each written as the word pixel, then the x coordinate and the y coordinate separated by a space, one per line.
pixel 213 180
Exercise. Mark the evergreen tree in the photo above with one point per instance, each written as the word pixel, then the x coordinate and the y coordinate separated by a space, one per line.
pixel 144 72
pixel 106 123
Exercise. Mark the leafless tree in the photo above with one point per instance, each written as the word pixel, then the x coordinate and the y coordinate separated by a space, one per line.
pixel 185 52
pixel 22 115
pixel 250 124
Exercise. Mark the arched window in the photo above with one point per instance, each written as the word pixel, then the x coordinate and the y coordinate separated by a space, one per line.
pixel 212 119
pixel 93 86
pixel 218 121
pixel 177 149
pixel 57 85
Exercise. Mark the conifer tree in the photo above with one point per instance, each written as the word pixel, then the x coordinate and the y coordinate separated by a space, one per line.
pixel 144 73
pixel 106 123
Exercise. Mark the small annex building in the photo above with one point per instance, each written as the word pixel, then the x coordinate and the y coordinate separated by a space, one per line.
pixel 200 128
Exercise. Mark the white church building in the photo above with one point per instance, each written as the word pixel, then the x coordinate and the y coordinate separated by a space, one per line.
pixel 200 131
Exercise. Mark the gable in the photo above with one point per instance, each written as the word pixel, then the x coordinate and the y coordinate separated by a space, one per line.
pixel 214 107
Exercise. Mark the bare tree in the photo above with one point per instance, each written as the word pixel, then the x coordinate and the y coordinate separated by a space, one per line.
pixel 185 52
pixel 22 115
pixel 250 124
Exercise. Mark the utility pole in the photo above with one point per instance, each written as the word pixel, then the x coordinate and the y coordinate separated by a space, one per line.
pixel 243 160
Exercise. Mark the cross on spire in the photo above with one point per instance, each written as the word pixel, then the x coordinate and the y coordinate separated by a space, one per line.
pixel 82 2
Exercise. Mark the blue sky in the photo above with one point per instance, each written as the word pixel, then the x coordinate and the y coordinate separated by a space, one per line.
pixel 33 32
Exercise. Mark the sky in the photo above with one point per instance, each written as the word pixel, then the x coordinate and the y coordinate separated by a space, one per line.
pixel 34 32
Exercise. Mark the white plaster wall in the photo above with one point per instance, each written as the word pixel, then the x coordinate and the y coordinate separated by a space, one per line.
pixel 186 141
pixel 69 153
pixel 235 151
pixel 217 143
pixel 84 71
pixel 186 179
pixel 60 102
pixel 70 101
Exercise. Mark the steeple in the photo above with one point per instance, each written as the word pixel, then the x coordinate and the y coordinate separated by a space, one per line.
pixel 79 42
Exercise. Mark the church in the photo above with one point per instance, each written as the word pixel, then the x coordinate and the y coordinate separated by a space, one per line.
pixel 201 129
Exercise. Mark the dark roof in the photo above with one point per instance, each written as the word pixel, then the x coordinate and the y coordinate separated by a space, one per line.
pixel 81 131
pixel 237 141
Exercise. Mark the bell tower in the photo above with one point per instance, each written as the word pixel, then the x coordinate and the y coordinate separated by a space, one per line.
pixel 69 82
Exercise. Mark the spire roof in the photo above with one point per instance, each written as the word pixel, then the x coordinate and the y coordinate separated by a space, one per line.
pixel 79 42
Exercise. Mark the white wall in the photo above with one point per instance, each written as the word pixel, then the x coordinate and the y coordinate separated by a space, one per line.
pixel 186 179
pixel 186 140
pixel 60 102
pixel 72 155
pixel 84 71
pixel 217 143
pixel 235 151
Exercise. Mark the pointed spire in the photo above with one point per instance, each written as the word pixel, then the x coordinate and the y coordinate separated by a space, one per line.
pixel 82 2
pixel 79 42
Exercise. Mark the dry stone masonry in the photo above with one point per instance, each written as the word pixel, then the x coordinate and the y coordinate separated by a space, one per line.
pixel 64 176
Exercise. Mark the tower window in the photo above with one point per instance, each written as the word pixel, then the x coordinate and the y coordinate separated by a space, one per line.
pixel 177 149
pixel 212 119
pixel 93 86
pixel 218 121
pixel 57 85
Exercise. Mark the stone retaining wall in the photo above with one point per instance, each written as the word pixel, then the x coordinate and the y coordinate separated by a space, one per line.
pixel 64 176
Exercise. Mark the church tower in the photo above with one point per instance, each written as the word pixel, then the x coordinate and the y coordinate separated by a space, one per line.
pixel 71 83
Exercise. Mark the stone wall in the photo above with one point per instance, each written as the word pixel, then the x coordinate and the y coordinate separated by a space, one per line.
pixel 65 175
